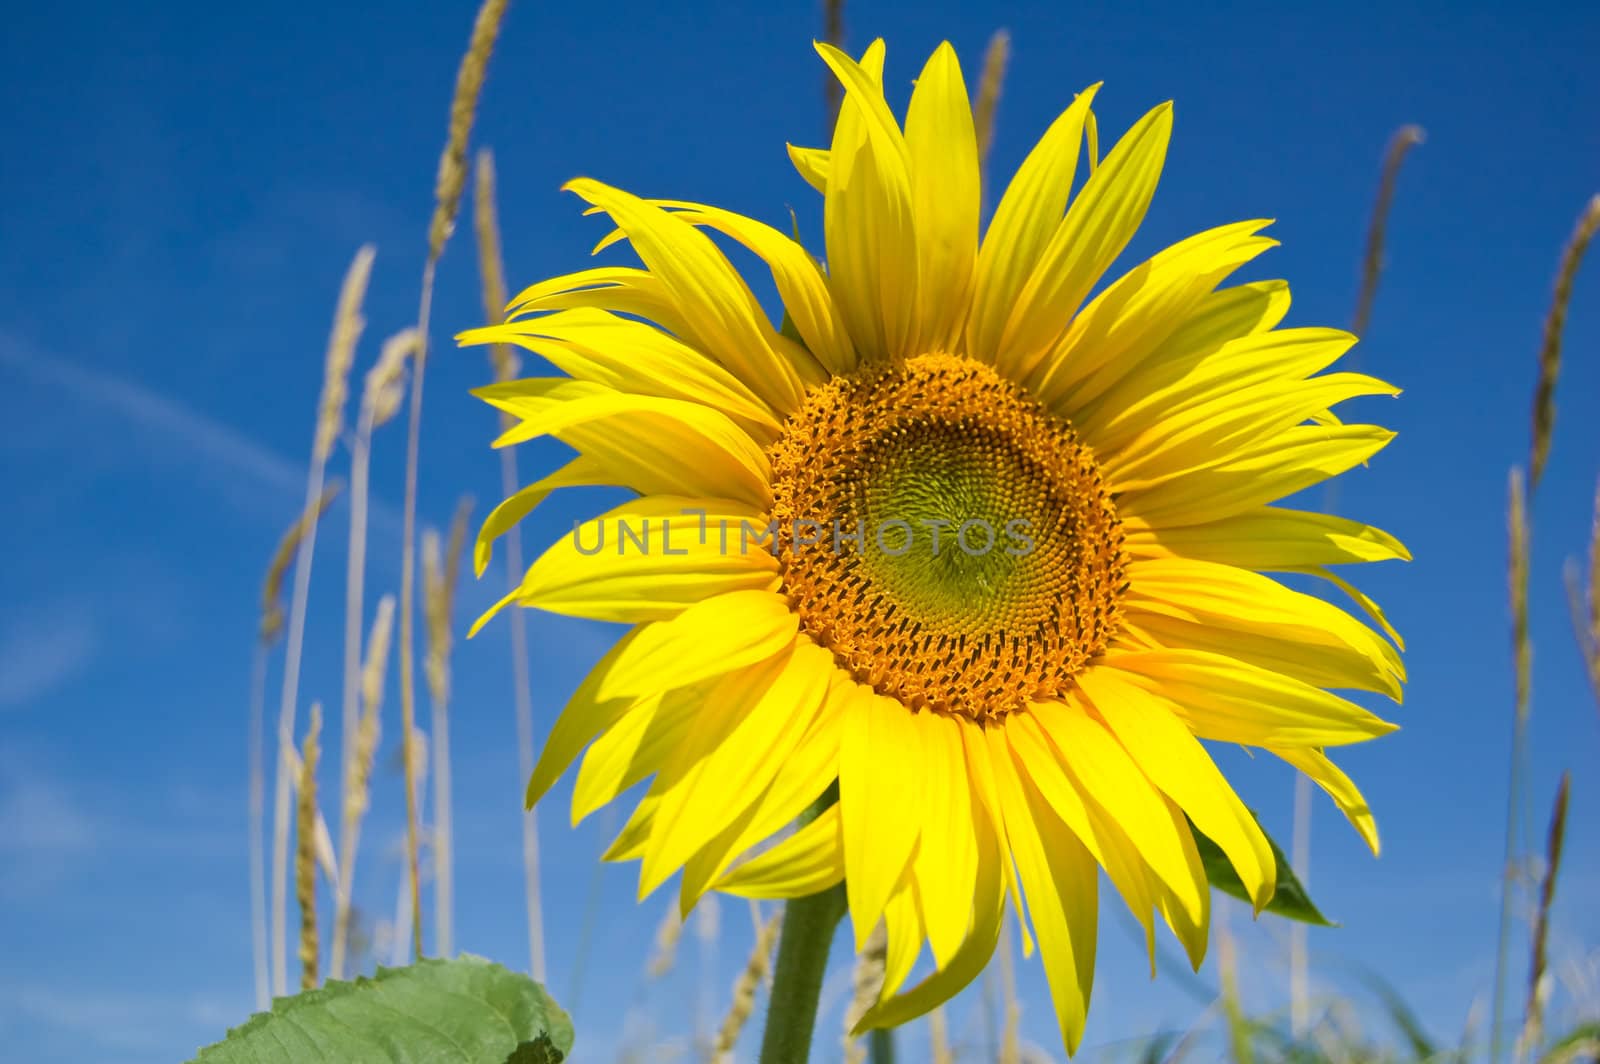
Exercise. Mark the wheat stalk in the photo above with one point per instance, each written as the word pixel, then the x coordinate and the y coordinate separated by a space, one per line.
pixel 447 201
pixel 380 400
pixel 272 616
pixel 1544 406
pixel 1584 602
pixel 866 983
pixel 258 842
pixel 1538 985
pixel 756 968
pixel 358 775
pixel 1011 1017
pixel 995 58
pixel 441 572
pixel 506 365
pixel 665 952
pixel 347 326
pixel 305 861
pixel 1405 138
pixel 939 1038
pixel 1543 424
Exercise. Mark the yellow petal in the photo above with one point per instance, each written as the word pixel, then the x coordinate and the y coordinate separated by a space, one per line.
pixel 812 163
pixel 945 197
pixel 1194 374
pixel 620 289
pixel 635 834
pixel 655 446
pixel 1146 311
pixel 902 918
pixel 809 861
pixel 1106 842
pixel 946 862
pixel 1059 877
pixel 628 356
pixel 867 214
pixel 1027 217
pixel 1264 473
pixel 989 810
pixel 1269 538
pixel 733 752
pixel 1265 647
pixel 800 281
pixel 635 747
pixel 724 316
pixel 1226 597
pixel 1098 225
pixel 650 559
pixel 1340 787
pixel 721 706
pixel 580 472
pixel 1368 605
pixel 1111 780
pixel 1227 700
pixel 988 908
pixel 800 778
pixel 709 639
pixel 586 715
pixel 881 785
pixel 1211 433
pixel 1149 729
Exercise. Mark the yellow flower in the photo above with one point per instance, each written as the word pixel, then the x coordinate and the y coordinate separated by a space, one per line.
pixel 991 562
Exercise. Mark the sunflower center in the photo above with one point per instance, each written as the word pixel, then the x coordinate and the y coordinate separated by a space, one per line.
pixel 945 536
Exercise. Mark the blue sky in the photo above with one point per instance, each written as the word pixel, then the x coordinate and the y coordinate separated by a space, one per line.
pixel 184 187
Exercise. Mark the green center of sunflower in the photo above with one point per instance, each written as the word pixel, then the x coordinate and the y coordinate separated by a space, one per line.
pixel 946 536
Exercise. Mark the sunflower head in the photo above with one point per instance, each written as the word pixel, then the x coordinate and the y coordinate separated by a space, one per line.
pixel 1016 542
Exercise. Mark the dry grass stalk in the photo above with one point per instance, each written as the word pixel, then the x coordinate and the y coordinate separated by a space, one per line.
pixel 668 933
pixel 271 628
pixel 1538 980
pixel 866 982
pixel 463 108
pixel 447 201
pixel 358 775
pixel 1010 1006
pixel 347 326
pixel 1405 138
pixel 833 33
pixel 380 400
pixel 503 358
pixel 1522 659
pixel 1517 570
pixel 305 861
pixel 385 383
pixel 750 979
pixel 346 330
pixel 1544 406
pixel 441 573
pixel 995 58
pixel 402 939
pixel 1584 601
pixel 506 365
pixel 939 1037
pixel 258 841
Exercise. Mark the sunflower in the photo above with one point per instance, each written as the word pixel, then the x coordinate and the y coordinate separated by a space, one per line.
pixel 990 564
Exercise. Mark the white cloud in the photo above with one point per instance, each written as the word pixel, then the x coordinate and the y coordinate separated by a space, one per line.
pixel 225 455
pixel 40 654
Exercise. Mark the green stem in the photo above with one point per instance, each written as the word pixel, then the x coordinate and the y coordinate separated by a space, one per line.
pixel 808 926
pixel 880 1046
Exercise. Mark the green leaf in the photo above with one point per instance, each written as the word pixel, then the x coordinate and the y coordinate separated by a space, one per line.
pixel 463 1011
pixel 1289 901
